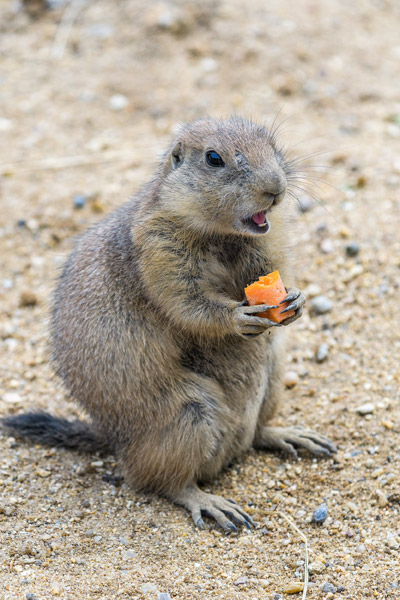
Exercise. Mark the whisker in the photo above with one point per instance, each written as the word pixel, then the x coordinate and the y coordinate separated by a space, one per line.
pixel 307 167
pixel 317 200
pixel 303 214
pixel 273 131
pixel 303 158
pixel 314 179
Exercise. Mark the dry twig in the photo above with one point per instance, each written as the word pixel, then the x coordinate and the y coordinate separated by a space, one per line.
pixel 65 162
pixel 303 537
pixel 68 19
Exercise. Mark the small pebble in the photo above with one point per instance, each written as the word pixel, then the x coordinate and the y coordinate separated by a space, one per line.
pixel 21 223
pixel 352 249
pixel 43 473
pixel 124 541
pixel 340 588
pixel 30 596
pixel 90 533
pixel 328 587
pixel 79 201
pixel 11 397
pixel 304 204
pixel 294 587
pixel 27 298
pixel 148 587
pixel 320 305
pixel 241 581
pixel 326 246
pixel 353 507
pixel 118 102
pixel 352 273
pixel 316 567
pixel 164 596
pixel 127 554
pixel 291 379
pixel 56 590
pixel 392 542
pixel 382 499
pixel 312 290
pixel 322 353
pixel 365 409
pixel 320 513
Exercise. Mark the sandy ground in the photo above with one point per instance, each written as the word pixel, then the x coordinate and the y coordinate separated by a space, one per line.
pixel 85 111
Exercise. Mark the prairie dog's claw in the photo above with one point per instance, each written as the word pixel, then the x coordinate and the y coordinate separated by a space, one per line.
pixel 225 512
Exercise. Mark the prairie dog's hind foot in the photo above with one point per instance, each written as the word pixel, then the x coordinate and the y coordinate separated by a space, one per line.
pixel 201 504
pixel 289 439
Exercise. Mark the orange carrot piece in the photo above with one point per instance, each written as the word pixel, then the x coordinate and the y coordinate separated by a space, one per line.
pixel 269 289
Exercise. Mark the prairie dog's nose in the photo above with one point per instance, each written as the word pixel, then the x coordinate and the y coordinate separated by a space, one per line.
pixel 274 183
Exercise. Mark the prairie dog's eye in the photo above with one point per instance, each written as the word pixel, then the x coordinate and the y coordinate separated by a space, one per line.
pixel 213 159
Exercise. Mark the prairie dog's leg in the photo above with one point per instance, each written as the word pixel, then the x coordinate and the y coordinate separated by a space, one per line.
pixel 286 439
pixel 169 460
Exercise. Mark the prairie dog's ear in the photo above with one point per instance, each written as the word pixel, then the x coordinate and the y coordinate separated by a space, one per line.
pixel 177 155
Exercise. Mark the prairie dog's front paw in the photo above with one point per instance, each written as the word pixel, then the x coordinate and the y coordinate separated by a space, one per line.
pixel 248 324
pixel 297 300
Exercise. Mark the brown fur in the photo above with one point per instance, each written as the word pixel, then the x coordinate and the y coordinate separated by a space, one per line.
pixel 146 321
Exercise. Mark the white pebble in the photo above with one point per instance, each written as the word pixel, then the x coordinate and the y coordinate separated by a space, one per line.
pixel 209 65
pixel 6 124
pixel 291 379
pixel 327 246
pixel 392 542
pixel 312 290
pixel 316 567
pixel 322 353
pixel 148 587
pixel 118 102
pixel 382 499
pixel 365 409
pixel 321 305
pixel 12 398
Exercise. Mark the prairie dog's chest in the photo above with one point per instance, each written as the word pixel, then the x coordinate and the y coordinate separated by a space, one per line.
pixel 230 266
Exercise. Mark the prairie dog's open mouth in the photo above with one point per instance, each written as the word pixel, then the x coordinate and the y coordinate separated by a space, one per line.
pixel 257 223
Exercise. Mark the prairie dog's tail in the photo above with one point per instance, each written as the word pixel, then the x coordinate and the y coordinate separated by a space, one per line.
pixel 52 431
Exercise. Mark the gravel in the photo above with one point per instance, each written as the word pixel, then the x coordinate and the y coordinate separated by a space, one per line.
pixel 291 379
pixel 60 137
pixel 305 204
pixel 366 409
pixel 321 305
pixel 79 201
pixel 352 249
pixel 328 588
pixel 320 513
pixel 322 353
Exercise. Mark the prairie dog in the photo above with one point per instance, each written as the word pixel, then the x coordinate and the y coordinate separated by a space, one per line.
pixel 149 330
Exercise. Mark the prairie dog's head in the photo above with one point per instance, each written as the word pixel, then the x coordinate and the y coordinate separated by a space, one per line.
pixel 223 176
